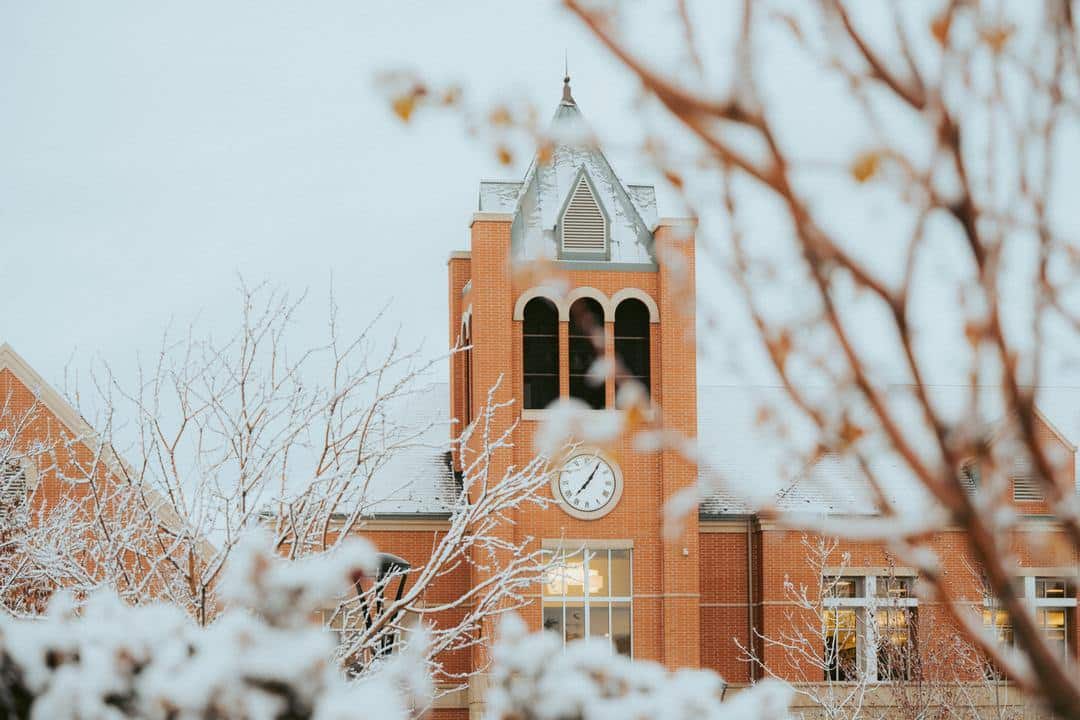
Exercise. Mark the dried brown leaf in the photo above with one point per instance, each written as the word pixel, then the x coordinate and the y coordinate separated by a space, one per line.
pixel 866 166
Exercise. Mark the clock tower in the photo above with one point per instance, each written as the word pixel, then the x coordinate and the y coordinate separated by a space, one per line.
pixel 571 269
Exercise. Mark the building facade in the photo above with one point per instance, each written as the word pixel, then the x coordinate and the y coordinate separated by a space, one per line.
pixel 570 265
pixel 566 268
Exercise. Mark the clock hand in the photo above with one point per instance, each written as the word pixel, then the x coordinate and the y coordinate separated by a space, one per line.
pixel 580 489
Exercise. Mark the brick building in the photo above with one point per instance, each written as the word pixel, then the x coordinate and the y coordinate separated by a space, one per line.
pixel 570 254
pixel 571 251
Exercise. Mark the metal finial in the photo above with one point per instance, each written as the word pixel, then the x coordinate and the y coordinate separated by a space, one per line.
pixel 566 96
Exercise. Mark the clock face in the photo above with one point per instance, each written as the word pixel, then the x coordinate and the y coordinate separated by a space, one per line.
pixel 589 486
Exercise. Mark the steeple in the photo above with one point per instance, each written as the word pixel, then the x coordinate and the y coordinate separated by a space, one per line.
pixel 567 98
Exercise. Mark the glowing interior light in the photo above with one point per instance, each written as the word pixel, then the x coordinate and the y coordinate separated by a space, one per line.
pixel 573 575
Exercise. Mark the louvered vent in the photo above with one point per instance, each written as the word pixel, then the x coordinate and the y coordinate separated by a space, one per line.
pixel 13 491
pixel 1026 488
pixel 969 477
pixel 584 228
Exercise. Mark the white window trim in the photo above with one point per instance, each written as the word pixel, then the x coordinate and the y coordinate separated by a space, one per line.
pixel 566 547
pixel 1029 582
pixel 866 623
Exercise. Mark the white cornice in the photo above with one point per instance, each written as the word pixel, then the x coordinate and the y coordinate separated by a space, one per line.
pixel 483 216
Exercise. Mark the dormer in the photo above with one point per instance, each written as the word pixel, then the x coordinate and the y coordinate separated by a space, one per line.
pixel 583 225
pixel 571 207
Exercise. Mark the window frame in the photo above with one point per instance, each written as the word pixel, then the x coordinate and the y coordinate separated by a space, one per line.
pixel 865 603
pixel 596 354
pixel 645 340
pixel 992 609
pixel 587 599
pixel 553 338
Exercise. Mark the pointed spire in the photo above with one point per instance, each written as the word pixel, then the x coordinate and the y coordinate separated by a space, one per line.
pixel 567 98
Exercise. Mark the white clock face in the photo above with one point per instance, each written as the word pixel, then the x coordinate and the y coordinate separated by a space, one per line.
pixel 589 485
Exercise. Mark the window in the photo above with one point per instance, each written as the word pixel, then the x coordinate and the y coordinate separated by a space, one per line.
pixel 1053 599
pixel 970 477
pixel 586 344
pixel 632 343
pixel 583 229
pixel 540 353
pixel 870 628
pixel 588 594
pixel 14 491
pixel 468 371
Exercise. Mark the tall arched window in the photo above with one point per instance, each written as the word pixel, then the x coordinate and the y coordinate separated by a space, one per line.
pixel 468 370
pixel 632 343
pixel 540 353
pixel 586 344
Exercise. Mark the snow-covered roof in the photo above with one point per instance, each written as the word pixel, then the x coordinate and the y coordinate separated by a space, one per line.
pixel 538 200
pixel 498 195
pixel 741 454
pixel 418 477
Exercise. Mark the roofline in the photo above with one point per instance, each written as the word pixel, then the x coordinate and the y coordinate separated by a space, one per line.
pixel 443 515
pixel 677 222
pixel 488 216
pixel 1053 429
pixel 55 403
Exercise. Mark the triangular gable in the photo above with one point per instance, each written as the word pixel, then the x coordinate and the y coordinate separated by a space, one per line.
pixel 81 431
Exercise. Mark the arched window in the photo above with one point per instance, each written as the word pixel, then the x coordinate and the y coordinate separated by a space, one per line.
pixel 632 343
pixel 468 371
pixel 586 344
pixel 540 353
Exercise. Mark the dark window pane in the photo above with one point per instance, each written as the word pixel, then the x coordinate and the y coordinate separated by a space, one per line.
pixel 631 319
pixel 586 343
pixel 541 318
pixel 592 395
pixel 541 356
pixel 632 343
pixel 620 628
pixel 633 356
pixel 582 355
pixel 586 317
pixel 540 391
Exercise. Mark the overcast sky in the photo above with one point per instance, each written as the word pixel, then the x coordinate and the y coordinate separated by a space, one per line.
pixel 149 152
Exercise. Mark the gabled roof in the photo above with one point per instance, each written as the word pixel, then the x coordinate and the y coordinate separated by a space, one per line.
pixel 417 479
pixel 81 430
pixel 740 455
pixel 549 181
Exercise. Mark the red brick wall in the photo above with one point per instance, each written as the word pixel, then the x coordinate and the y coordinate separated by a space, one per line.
pixel 665 576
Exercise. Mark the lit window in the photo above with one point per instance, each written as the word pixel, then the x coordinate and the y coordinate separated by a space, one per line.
pixel 632 343
pixel 870 628
pixel 588 594
pixel 1054 600
pixel 586 345
pixel 540 353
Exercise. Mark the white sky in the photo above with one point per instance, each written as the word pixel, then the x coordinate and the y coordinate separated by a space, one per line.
pixel 150 152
